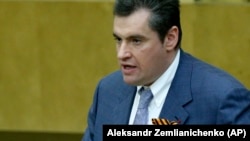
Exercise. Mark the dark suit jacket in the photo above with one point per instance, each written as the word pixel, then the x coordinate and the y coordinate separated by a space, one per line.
pixel 199 94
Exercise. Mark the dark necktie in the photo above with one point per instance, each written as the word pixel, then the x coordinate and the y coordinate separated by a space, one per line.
pixel 141 116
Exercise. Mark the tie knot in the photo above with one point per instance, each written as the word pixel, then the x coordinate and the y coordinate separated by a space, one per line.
pixel 145 98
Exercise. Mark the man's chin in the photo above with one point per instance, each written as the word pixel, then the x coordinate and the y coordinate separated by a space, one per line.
pixel 130 81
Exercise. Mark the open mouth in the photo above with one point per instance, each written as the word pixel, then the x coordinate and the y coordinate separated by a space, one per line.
pixel 128 69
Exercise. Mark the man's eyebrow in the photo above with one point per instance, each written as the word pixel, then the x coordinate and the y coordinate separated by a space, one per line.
pixel 136 36
pixel 130 37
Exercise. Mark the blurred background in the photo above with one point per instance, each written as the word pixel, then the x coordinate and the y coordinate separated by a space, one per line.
pixel 53 52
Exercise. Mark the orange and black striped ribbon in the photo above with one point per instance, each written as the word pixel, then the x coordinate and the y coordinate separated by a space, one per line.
pixel 161 121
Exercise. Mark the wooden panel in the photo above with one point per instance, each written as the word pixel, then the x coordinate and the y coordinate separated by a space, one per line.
pixel 51 56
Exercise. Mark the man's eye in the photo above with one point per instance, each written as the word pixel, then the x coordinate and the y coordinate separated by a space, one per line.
pixel 136 41
pixel 118 40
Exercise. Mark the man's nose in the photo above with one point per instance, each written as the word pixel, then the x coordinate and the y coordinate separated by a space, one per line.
pixel 123 51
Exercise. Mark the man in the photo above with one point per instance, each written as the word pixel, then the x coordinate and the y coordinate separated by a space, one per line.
pixel 186 90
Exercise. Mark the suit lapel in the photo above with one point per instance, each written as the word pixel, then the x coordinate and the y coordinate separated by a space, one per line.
pixel 179 93
pixel 123 107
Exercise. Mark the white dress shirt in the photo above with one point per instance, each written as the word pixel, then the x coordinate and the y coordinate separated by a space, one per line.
pixel 159 89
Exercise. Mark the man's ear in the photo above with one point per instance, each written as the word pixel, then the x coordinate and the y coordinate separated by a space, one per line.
pixel 171 38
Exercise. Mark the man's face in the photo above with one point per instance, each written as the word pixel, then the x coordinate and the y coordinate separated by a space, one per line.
pixel 141 54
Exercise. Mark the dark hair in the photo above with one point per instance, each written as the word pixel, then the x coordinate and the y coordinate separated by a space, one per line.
pixel 165 14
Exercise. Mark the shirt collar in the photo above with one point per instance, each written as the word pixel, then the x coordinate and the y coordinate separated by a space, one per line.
pixel 164 80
